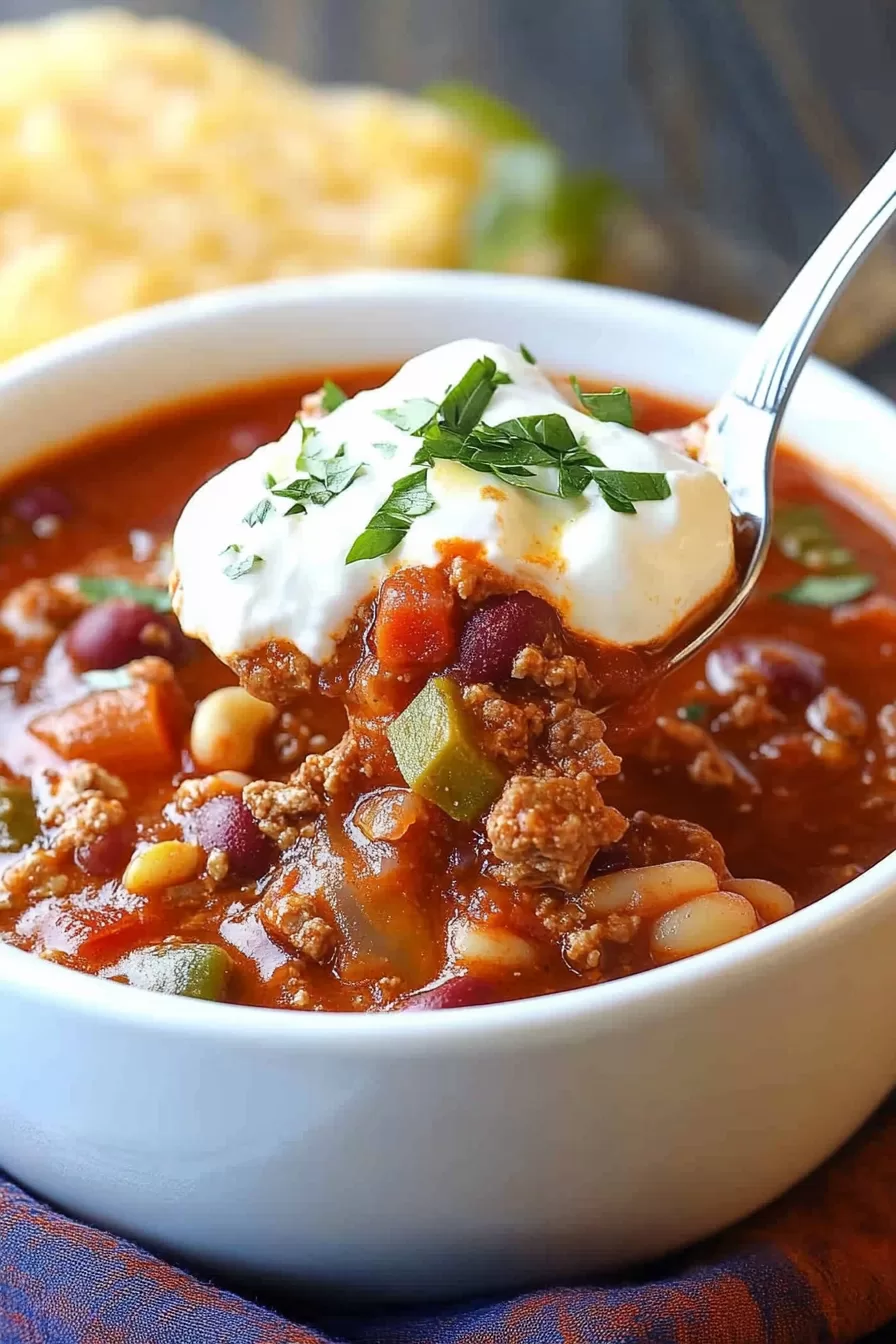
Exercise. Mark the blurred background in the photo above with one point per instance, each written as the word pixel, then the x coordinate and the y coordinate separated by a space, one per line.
pixel 709 143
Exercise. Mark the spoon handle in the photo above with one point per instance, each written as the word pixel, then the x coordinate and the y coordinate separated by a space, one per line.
pixel 766 376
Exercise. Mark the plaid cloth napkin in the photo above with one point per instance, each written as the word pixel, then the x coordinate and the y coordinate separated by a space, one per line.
pixel 818 1267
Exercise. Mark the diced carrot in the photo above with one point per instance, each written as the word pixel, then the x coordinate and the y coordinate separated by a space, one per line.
pixel 415 620
pixel 130 728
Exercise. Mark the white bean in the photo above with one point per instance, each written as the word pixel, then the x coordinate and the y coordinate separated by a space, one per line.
pixel 478 945
pixel 226 727
pixel 704 922
pixel 770 901
pixel 648 891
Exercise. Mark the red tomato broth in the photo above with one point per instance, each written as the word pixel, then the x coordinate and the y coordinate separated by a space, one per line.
pixel 794 817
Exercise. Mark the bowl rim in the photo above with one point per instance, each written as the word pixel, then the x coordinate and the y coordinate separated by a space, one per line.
pixel 578 1012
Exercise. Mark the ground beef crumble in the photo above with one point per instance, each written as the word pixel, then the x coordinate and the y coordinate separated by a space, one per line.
pixel 677 740
pixel 553 670
pixel 546 830
pixel 507 730
pixel 282 810
pixel 652 838
pixel 80 804
pixel 294 917
pixel 39 609
pixel 576 742
pixel 835 714
pixel 276 672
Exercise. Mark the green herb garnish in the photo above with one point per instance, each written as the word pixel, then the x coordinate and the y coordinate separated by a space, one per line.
pixel 527 354
pixel 330 477
pixel 386 449
pixel 408 499
pixel 411 415
pixel 97 589
pixel 694 712
pixel 332 396
pixel 614 407
pixel 828 590
pixel 803 533
pixel 258 512
pixel 242 563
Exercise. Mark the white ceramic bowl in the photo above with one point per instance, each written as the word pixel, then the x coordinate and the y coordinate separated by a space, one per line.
pixel 438 1153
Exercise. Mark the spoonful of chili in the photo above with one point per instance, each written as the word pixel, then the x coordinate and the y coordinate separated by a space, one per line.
pixel 738 437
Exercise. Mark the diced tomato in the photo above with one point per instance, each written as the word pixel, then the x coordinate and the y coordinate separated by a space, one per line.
pixel 415 620
pixel 95 927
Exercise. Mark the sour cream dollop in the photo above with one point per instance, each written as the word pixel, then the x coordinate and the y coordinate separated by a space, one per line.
pixel 627 579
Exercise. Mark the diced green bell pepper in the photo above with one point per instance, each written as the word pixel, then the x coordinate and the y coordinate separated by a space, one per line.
pixel 18 818
pixel 197 970
pixel 438 756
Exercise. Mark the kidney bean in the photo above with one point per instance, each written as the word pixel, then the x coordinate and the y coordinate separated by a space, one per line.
pixel 41 501
pixel 226 823
pixel 460 991
pixel 111 634
pixel 108 854
pixel 496 632
pixel 792 674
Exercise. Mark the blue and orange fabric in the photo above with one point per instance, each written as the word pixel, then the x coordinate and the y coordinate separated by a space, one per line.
pixel 818 1267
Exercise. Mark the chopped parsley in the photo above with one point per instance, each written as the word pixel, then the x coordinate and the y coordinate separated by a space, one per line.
pixel 693 712
pixel 331 396
pixel 527 354
pixel 534 452
pixel 828 590
pixel 242 563
pixel 408 499
pixel 411 415
pixel 258 512
pixel 101 589
pixel 613 407
pixel 803 533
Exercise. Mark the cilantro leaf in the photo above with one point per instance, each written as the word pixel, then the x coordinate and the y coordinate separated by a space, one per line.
pixel 613 407
pixel 242 563
pixel 802 533
pixel 258 512
pixel 828 590
pixel 463 404
pixel 412 415
pixel 408 499
pixel 331 396
pixel 101 589
pixel 527 354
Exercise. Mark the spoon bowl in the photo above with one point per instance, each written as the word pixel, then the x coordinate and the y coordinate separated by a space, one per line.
pixel 737 439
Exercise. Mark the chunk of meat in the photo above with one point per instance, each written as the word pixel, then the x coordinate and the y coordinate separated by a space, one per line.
pixel 282 810
pixel 679 740
pixel 546 830
pixel 582 947
pixel 835 714
pixel 335 770
pixel 81 804
pixel 32 878
pixel 652 838
pixel 553 670
pixel 293 917
pixel 752 709
pixel 39 609
pixel 475 580
pixel 506 730
pixel 576 742
pixel 277 672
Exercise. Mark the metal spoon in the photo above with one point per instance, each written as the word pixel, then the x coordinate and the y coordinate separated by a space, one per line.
pixel 738 437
